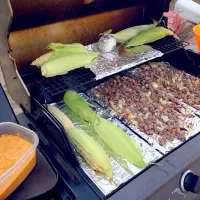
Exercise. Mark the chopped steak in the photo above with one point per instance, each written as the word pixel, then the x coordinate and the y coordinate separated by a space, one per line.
pixel 148 99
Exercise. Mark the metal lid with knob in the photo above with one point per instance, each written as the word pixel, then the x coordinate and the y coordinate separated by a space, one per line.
pixel 190 182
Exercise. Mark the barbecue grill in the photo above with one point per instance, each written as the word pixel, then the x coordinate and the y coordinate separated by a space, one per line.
pixel 27 27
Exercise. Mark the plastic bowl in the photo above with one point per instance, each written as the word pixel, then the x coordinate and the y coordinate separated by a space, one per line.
pixel 12 178
pixel 196 30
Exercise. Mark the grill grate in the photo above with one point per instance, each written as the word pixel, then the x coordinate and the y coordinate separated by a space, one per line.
pixel 40 86
pixel 167 45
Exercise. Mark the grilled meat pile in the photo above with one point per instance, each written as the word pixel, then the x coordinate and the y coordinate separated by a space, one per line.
pixel 150 100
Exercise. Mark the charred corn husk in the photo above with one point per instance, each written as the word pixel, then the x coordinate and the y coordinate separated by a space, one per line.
pixel 149 36
pixel 58 50
pixel 85 145
pixel 64 64
pixel 126 34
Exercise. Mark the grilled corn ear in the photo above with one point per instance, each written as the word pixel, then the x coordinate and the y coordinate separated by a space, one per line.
pixel 64 64
pixel 118 141
pixel 42 59
pixel 149 36
pixel 80 107
pixel 112 135
pixel 58 50
pixel 55 46
pixel 95 156
pixel 61 117
pixel 126 34
pixel 85 145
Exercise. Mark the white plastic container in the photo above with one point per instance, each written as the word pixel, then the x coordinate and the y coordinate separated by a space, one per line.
pixel 12 178
pixel 189 10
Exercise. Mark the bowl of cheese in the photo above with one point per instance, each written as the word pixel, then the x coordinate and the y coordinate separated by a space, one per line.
pixel 17 156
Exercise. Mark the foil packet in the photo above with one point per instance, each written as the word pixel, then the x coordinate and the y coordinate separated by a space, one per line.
pixel 113 62
pixel 122 169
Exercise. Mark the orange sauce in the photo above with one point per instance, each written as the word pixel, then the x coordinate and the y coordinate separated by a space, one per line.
pixel 12 149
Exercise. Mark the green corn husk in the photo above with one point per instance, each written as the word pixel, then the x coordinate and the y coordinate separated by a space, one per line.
pixel 95 156
pixel 64 52
pixel 108 31
pixel 85 145
pixel 126 34
pixel 80 107
pixel 119 141
pixel 64 64
pixel 112 135
pixel 149 36
pixel 58 50
pixel 54 46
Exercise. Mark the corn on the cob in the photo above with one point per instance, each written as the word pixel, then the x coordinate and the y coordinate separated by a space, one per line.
pixel 118 141
pixel 61 117
pixel 64 64
pixel 126 34
pixel 149 36
pixel 59 50
pixel 95 156
pixel 55 46
pixel 90 150
pixel 114 136
pixel 42 59
pixel 80 107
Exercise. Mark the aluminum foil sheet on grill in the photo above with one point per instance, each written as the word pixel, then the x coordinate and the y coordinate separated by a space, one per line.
pixel 120 59
pixel 144 100
pixel 122 170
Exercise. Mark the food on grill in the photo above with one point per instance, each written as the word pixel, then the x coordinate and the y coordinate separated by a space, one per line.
pixel 126 34
pixel 85 145
pixel 149 36
pixel 12 149
pixel 107 43
pixel 112 135
pixel 80 107
pixel 64 64
pixel 145 99
pixel 58 50
pixel 134 52
pixel 118 141
pixel 179 85
pixel 42 59
pixel 70 47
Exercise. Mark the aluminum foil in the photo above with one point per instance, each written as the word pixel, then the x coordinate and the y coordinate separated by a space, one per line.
pixel 110 63
pixel 193 127
pixel 122 170
pixel 191 124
